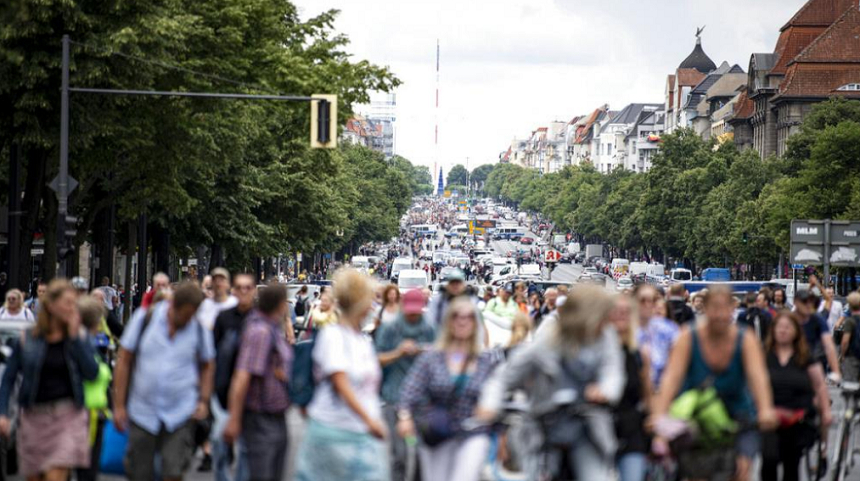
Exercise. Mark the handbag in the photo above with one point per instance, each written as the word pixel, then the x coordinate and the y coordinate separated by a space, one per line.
pixel 435 425
pixel 114 444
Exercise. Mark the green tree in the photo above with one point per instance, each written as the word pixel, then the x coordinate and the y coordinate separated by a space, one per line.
pixel 457 175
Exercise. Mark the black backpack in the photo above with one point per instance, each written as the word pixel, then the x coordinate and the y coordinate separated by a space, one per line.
pixel 854 342
pixel 300 306
pixel 225 364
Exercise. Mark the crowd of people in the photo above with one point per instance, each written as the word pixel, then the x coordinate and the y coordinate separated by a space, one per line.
pixel 409 385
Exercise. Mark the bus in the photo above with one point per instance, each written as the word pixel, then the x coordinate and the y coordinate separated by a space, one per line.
pixel 509 233
pixel 424 229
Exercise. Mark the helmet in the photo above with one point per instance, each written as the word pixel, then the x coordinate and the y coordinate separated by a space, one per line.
pixel 80 283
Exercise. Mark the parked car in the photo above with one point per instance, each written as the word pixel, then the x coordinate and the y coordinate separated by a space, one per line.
pixel 624 284
pixel 527 241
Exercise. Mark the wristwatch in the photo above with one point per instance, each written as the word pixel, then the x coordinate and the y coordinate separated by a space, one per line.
pixel 404 415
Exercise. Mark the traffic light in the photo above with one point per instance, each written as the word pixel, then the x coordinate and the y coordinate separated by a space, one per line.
pixel 746 237
pixel 68 231
pixel 324 122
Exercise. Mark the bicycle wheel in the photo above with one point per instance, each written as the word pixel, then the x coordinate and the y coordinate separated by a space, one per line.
pixel 815 461
pixel 839 468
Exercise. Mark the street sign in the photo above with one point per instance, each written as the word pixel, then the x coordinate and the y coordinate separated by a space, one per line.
pixel 816 242
pixel 55 184
pixel 38 251
pixel 552 255
pixel 298 256
pixel 797 266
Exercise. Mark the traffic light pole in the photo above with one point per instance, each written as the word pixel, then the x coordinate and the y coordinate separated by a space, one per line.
pixel 326 108
pixel 63 177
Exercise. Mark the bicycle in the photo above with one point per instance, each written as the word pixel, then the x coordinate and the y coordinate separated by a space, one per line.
pixel 843 457
pixel 815 456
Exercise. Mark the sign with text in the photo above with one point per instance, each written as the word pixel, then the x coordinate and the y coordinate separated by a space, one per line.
pixel 819 242
pixel 552 255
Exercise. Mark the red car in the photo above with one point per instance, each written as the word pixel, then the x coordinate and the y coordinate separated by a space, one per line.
pixel 527 241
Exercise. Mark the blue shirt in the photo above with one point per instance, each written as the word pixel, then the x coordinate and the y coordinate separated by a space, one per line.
pixel 165 381
pixel 657 339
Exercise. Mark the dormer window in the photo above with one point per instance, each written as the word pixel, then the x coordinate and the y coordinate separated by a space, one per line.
pixel 849 88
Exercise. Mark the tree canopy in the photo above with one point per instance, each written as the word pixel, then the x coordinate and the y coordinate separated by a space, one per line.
pixel 238 176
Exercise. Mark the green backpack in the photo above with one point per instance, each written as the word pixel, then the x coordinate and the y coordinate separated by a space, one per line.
pixel 96 391
pixel 703 408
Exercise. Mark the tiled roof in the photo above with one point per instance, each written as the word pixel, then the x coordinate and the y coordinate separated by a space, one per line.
pixel 744 108
pixel 828 63
pixel 688 77
pixel 819 13
pixel 839 43
pixel 819 80
pixel 727 85
pixel 791 42
pixel 583 135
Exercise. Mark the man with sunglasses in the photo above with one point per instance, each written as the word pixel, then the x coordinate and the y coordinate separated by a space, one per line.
pixel 230 322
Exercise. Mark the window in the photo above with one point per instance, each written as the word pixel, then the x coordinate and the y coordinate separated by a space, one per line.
pixel 608 149
pixel 849 88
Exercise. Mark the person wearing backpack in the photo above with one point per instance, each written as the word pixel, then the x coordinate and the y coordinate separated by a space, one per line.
pixel 301 308
pixel 93 310
pixel 258 393
pixel 228 336
pixel 849 348
pixel 169 357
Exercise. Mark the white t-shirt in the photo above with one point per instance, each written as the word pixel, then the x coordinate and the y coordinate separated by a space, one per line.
pixel 110 293
pixel 210 308
pixel 834 314
pixel 23 315
pixel 341 349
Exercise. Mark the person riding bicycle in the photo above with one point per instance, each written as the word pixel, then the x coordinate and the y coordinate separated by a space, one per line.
pixel 571 373
pixel 721 358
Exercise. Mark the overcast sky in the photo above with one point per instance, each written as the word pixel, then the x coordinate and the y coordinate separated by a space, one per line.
pixel 510 66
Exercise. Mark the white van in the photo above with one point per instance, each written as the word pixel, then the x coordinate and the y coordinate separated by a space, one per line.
pixel 362 263
pixel 680 275
pixel 637 268
pixel 400 264
pixel 620 265
pixel 573 248
pixel 412 279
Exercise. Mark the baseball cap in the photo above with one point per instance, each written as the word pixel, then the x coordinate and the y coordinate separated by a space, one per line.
pixel 455 275
pixel 413 302
pixel 220 271
pixel 509 286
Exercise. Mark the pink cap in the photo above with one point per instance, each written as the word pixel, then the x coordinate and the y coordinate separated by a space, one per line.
pixel 413 302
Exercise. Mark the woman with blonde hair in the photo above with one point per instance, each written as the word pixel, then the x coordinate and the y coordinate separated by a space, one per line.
pixel 441 392
pixel 572 372
pixel 631 410
pixel 344 435
pixel 52 361
pixel 14 308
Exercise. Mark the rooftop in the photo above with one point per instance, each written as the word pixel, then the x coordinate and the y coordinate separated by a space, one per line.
pixel 698 59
